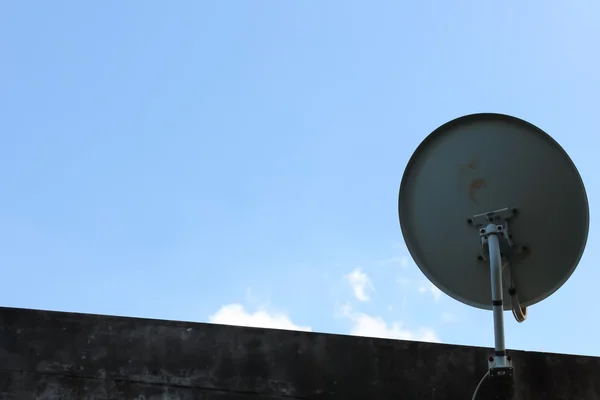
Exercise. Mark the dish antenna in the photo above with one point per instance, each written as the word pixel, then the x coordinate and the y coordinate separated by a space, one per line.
pixel 490 198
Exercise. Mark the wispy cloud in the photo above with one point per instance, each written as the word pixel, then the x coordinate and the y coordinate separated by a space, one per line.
pixel 360 284
pixel 435 292
pixel 402 261
pixel 375 326
pixel 448 317
pixel 399 245
pixel 432 289
pixel 403 281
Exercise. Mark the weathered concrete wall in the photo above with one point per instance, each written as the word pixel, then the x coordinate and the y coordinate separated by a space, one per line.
pixel 50 355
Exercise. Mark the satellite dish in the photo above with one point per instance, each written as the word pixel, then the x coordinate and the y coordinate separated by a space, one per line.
pixel 492 208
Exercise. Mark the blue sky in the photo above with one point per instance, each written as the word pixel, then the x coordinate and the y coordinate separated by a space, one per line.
pixel 240 162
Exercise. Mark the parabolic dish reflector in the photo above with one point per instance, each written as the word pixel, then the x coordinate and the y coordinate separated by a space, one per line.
pixel 474 165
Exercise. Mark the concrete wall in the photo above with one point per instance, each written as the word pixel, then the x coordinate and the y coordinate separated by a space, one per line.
pixel 50 355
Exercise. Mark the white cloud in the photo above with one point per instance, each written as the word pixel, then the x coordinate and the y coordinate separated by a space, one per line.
pixel 360 283
pixel 366 325
pixel 234 314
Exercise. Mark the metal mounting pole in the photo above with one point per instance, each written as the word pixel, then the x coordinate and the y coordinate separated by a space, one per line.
pixel 497 306
pixel 493 228
pixel 500 364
